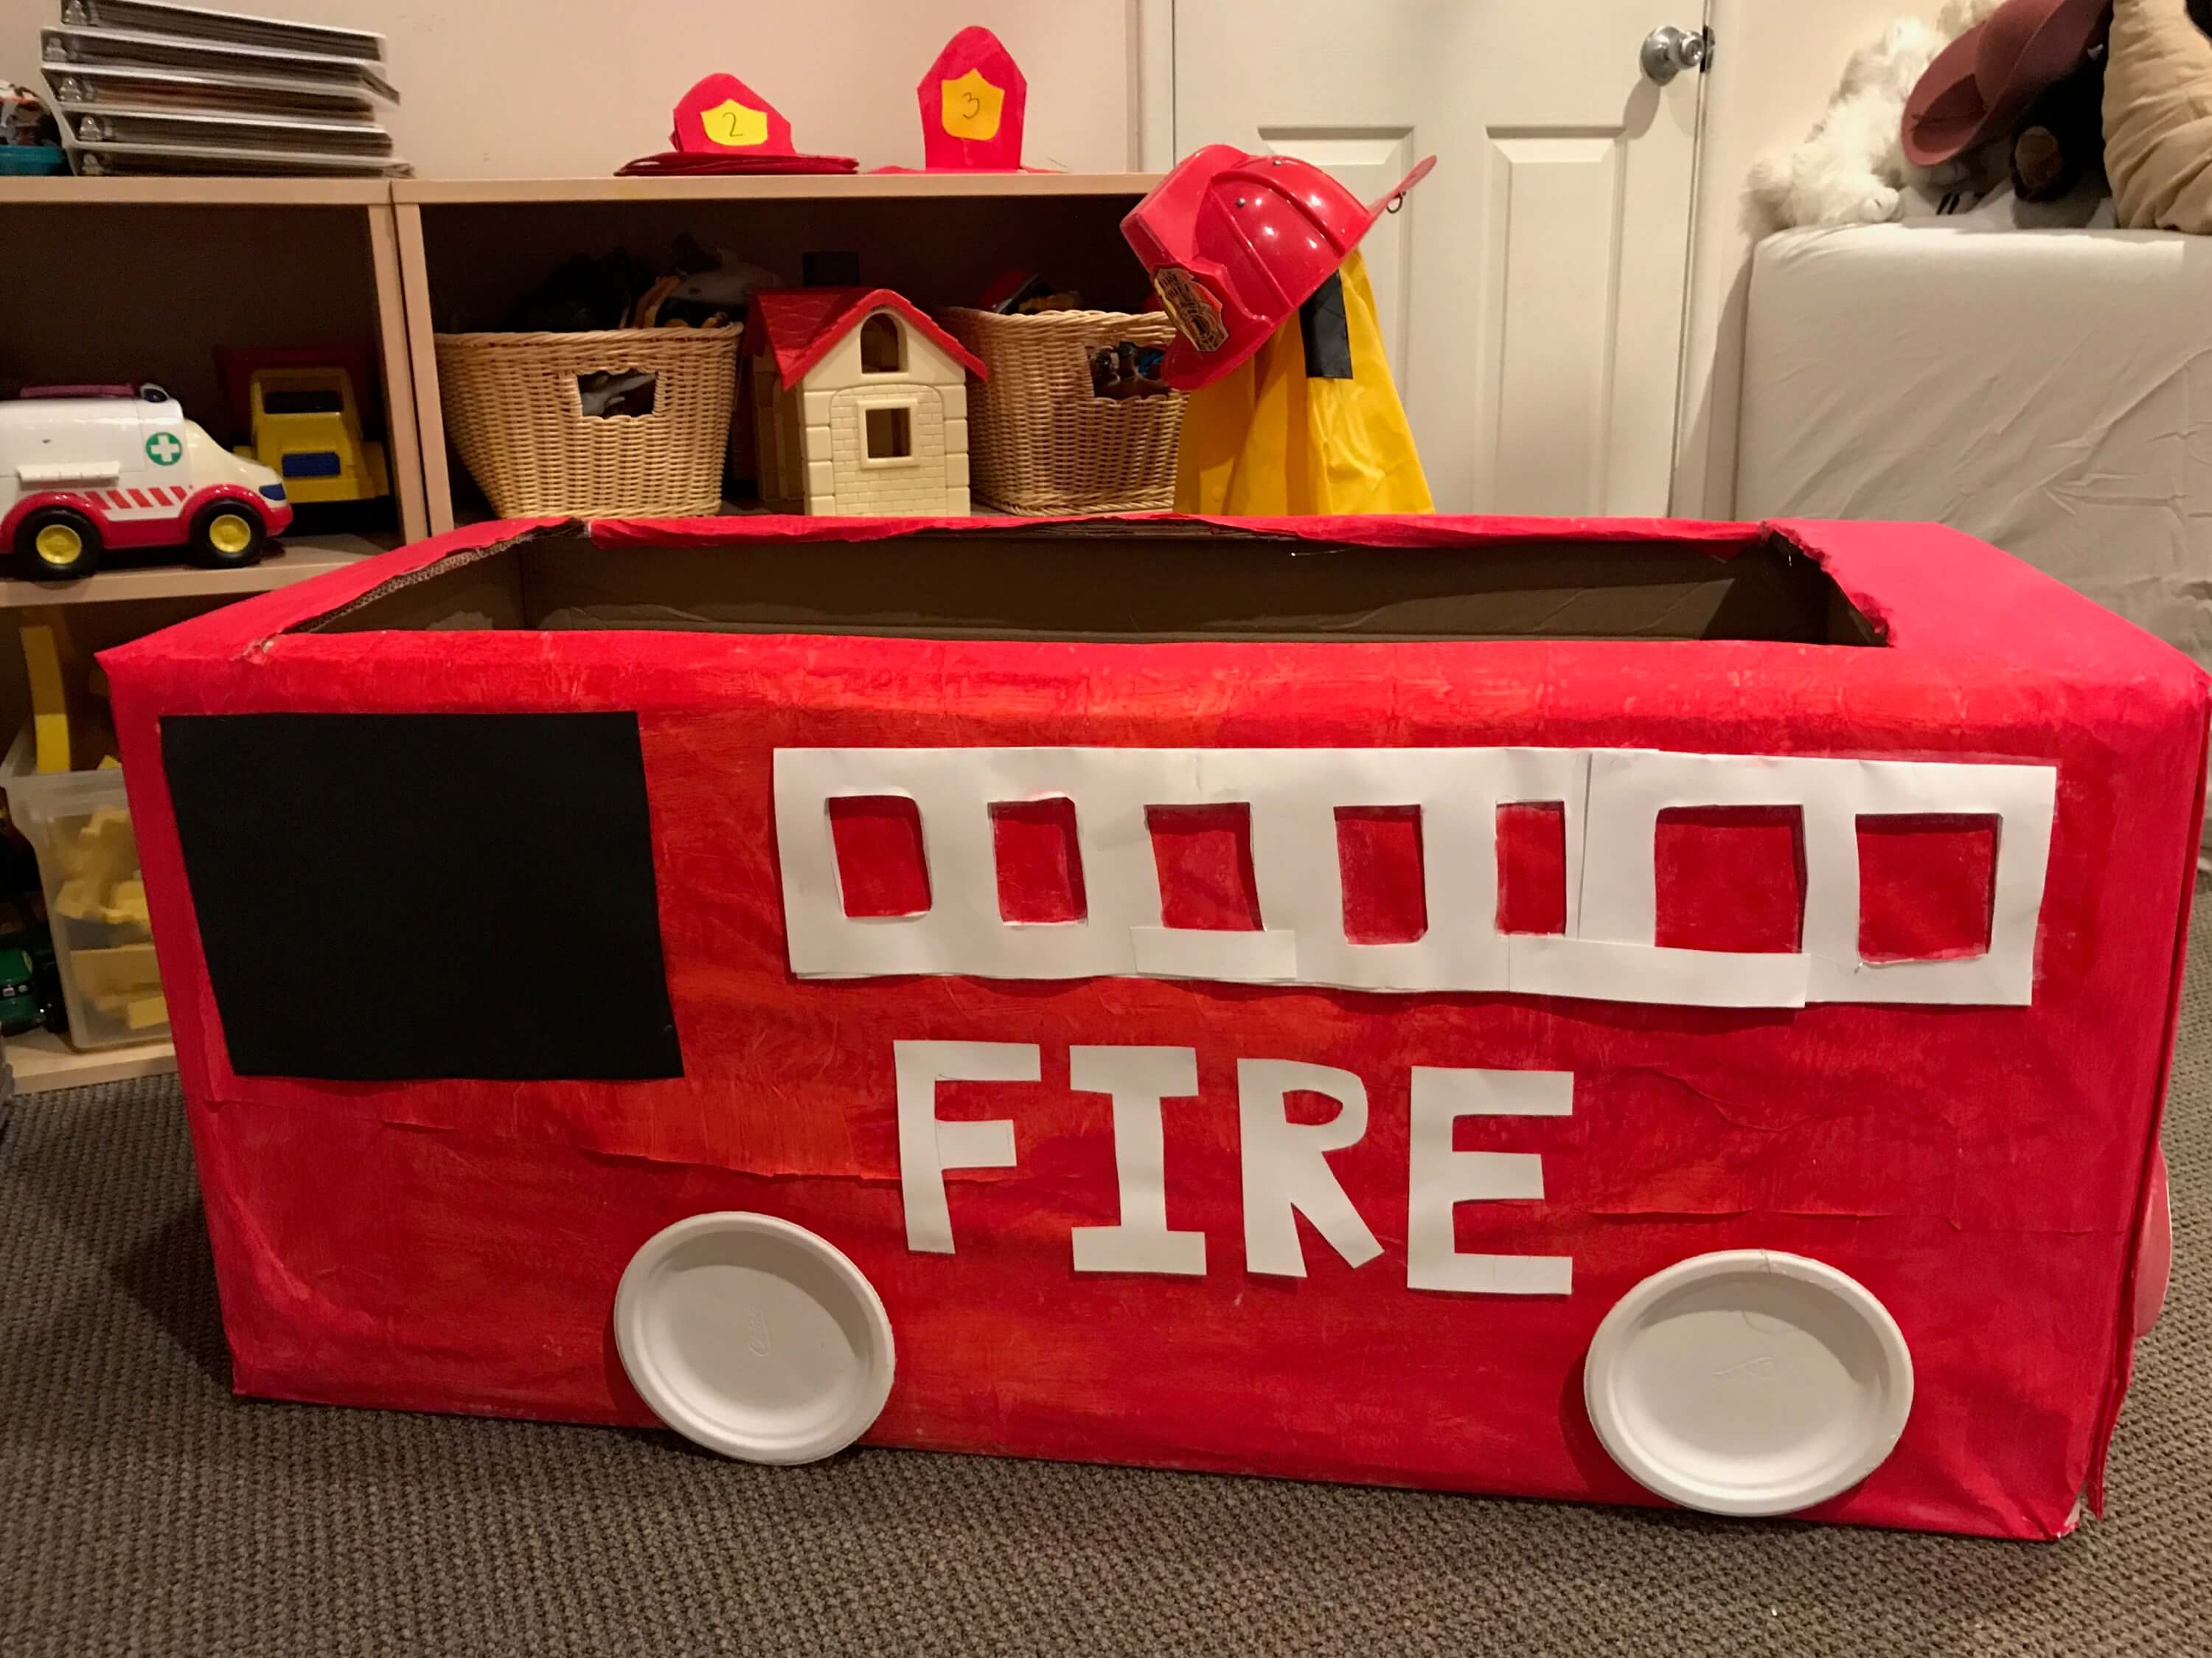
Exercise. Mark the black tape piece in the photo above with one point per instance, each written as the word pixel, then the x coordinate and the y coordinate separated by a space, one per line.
pixel 383 897
pixel 1324 332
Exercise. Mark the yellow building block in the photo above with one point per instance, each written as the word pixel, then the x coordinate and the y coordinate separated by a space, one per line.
pixel 145 1012
pixel 121 971
pixel 99 849
pixel 126 906
pixel 78 900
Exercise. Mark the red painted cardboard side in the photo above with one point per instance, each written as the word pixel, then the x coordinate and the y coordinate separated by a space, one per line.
pixel 454 1246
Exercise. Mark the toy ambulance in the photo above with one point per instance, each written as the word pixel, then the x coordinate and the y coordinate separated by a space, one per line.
pixel 81 475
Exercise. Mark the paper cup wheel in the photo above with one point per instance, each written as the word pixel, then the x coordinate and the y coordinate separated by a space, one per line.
pixel 1748 1382
pixel 754 1337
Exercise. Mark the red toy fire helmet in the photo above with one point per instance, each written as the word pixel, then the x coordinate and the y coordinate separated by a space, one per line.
pixel 1235 243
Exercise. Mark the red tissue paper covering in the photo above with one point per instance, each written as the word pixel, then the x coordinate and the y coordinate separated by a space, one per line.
pixel 1985 1171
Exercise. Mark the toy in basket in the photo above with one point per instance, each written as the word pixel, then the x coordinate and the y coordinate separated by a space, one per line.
pixel 1044 440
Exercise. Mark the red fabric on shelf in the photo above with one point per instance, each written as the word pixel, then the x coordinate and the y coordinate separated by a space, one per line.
pixel 1982 1170
pixel 679 164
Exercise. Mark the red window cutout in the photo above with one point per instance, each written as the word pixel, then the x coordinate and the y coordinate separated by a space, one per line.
pixel 1927 886
pixel 881 870
pixel 1378 853
pixel 1204 857
pixel 1040 865
pixel 1532 868
pixel 1731 878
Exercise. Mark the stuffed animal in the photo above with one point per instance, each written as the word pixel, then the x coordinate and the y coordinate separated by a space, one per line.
pixel 1851 168
pixel 2064 136
pixel 2158 115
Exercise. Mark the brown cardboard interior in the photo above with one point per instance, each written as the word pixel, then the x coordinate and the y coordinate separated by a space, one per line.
pixel 1132 582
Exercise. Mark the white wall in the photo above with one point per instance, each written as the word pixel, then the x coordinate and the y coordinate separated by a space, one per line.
pixel 1774 65
pixel 531 87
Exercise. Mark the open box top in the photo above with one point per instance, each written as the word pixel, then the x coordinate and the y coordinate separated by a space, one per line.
pixel 1919 590
pixel 1118 581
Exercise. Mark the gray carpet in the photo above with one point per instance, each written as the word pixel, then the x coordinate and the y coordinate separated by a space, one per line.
pixel 143 1510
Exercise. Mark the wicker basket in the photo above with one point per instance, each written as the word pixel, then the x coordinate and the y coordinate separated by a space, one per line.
pixel 1039 439
pixel 513 411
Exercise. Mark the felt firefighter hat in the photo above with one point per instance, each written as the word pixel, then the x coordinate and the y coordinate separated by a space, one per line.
pixel 722 125
pixel 1982 83
pixel 1235 243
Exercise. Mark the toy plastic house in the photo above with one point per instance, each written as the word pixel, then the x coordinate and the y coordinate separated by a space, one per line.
pixel 859 404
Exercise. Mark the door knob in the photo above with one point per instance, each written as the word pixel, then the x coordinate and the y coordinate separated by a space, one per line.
pixel 1668 51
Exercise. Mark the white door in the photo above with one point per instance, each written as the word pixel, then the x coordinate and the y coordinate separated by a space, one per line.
pixel 1531 289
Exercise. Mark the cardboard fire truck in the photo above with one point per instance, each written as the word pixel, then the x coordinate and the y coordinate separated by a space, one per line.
pixel 79 476
pixel 1632 1011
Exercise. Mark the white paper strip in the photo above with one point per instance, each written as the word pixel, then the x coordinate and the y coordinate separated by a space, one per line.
pixel 1286 1172
pixel 1612 799
pixel 1439 1177
pixel 927 1147
pixel 1139 1079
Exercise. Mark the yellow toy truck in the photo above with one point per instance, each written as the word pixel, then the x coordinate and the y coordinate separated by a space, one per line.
pixel 306 427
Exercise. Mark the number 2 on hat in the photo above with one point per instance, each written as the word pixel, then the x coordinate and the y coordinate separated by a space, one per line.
pixel 732 124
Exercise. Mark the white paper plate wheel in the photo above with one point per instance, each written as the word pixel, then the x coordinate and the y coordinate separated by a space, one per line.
pixel 754 1337
pixel 1748 1382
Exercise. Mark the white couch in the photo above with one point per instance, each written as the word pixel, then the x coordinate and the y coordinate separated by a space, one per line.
pixel 2048 391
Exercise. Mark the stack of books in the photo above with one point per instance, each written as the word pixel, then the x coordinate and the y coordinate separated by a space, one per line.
pixel 146 86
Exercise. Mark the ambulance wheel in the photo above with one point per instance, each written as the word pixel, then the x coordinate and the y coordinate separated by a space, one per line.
pixel 56 544
pixel 1748 1382
pixel 754 1337
pixel 227 535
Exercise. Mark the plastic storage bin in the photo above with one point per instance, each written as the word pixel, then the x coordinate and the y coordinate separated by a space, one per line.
pixel 79 824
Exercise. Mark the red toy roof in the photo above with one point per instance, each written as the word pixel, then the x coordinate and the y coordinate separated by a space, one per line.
pixel 800 326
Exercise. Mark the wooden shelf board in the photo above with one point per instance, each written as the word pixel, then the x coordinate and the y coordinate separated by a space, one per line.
pixel 836 186
pixel 65 190
pixel 44 1062
pixel 299 557
pixel 473 512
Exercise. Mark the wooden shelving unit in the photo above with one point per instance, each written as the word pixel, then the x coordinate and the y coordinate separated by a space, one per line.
pixel 87 300
pixel 827 187
pixel 126 279
pixel 66 190
pixel 44 1062
pixel 298 558
pixel 469 246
